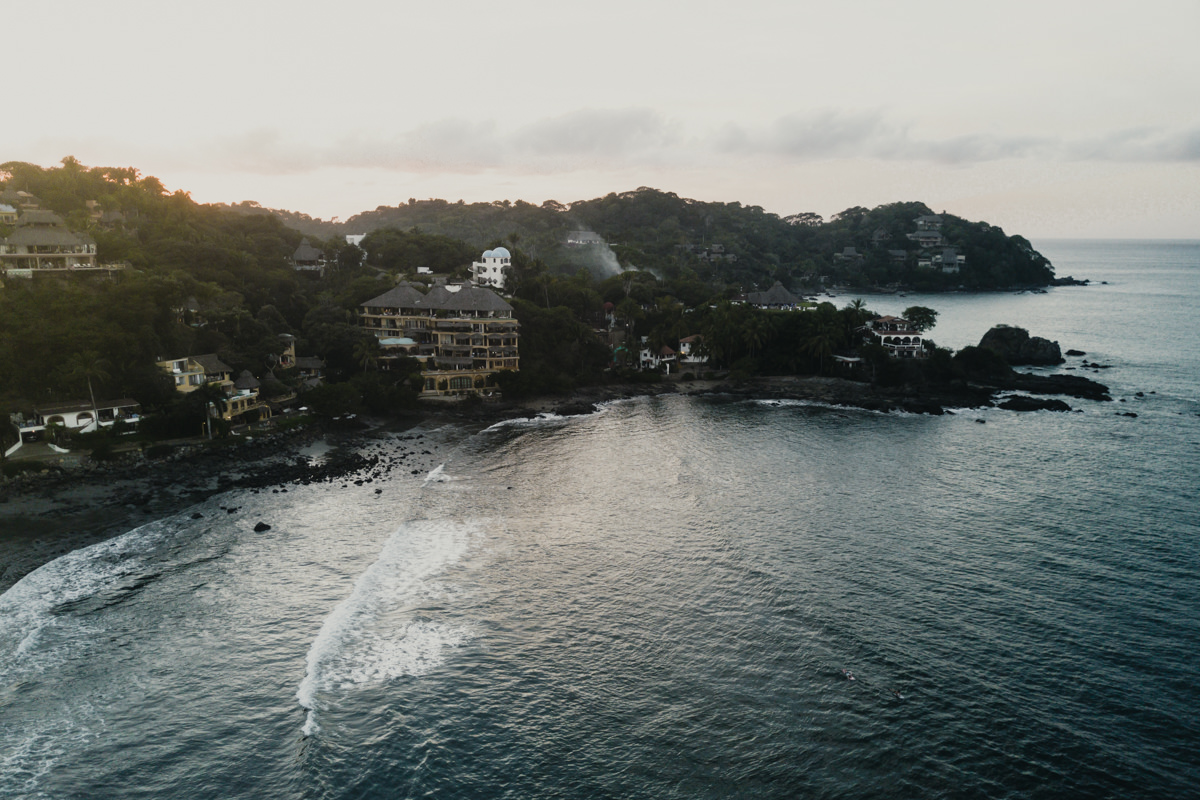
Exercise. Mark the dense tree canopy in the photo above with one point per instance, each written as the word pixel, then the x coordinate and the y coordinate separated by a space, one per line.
pixel 219 279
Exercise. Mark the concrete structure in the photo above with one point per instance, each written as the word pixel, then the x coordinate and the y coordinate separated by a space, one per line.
pixel 462 335
pixel 583 238
pixel 896 335
pixel 649 358
pixel 42 242
pixel 79 415
pixel 949 261
pixel 237 397
pixel 491 270
pixel 689 355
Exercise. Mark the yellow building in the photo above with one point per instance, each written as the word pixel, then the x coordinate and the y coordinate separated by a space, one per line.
pixel 240 396
pixel 462 334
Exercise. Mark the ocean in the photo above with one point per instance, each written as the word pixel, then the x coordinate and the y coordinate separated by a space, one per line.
pixel 677 597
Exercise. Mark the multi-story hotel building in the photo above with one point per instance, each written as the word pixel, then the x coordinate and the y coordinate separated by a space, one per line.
pixel 461 334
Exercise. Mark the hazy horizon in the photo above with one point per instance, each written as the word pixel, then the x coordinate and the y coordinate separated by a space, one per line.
pixel 1061 120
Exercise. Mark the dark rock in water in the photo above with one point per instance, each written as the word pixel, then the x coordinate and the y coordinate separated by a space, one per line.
pixel 1072 385
pixel 1139 394
pixel 197 515
pixel 1126 414
pixel 379 491
pixel 1076 353
pixel 1020 402
pixel 262 526
pixel 915 406
pixel 575 409
pixel 230 510
pixel 1017 347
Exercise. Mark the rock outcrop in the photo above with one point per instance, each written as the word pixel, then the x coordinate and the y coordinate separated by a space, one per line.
pixel 1020 402
pixel 1017 347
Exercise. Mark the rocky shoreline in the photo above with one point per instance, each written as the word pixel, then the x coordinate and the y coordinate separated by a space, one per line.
pixel 46 515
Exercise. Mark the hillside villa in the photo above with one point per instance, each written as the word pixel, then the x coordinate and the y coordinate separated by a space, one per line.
pixel 896 335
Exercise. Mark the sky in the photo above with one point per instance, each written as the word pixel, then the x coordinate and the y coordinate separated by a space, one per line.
pixel 1050 119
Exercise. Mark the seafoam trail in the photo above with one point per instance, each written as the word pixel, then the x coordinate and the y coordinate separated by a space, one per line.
pixel 352 650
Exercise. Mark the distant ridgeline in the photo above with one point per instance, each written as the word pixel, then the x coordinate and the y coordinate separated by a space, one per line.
pixel 898 243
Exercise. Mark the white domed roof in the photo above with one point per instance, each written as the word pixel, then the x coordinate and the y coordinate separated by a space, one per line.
pixel 500 252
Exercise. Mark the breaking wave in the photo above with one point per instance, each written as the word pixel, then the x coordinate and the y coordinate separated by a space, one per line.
pixel 351 650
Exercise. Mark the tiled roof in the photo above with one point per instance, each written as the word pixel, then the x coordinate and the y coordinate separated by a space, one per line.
pixel 468 298
pixel 211 364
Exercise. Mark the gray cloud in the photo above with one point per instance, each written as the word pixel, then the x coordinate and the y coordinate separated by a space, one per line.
pixel 618 138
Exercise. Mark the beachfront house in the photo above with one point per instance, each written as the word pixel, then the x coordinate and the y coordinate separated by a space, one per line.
pixel 896 335
pixel 79 416
pixel 650 357
pixel 461 334
pixel 690 354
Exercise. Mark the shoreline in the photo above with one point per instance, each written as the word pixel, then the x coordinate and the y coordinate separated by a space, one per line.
pixel 47 515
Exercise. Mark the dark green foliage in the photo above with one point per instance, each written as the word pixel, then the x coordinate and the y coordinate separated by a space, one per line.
pixel 981 362
pixel 218 279
pixel 921 317
pixel 334 399
pixel 558 352
pixel 404 251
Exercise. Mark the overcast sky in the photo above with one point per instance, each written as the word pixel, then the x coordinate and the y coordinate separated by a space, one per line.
pixel 1050 119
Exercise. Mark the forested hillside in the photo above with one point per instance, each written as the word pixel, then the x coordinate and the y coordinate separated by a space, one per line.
pixel 720 243
pixel 202 279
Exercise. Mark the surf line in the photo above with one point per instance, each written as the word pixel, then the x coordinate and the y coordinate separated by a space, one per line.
pixel 349 651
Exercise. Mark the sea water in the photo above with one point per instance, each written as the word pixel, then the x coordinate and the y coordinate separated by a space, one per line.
pixel 666 599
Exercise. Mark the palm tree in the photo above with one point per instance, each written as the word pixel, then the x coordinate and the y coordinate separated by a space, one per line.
pixel 212 394
pixel 366 353
pixel 822 343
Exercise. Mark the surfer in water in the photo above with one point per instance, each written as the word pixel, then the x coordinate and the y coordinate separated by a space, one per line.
pixel 849 675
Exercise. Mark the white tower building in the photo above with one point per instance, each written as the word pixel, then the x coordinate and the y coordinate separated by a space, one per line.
pixel 491 270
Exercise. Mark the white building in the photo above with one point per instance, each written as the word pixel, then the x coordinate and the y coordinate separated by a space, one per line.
pixel 491 270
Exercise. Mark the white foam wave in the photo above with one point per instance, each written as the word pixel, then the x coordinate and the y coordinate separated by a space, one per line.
pixel 797 403
pixel 353 648
pixel 437 475
pixel 544 418
pixel 35 751
pixel 37 632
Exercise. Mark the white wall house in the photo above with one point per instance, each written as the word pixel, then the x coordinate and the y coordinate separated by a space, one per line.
pixel 491 270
